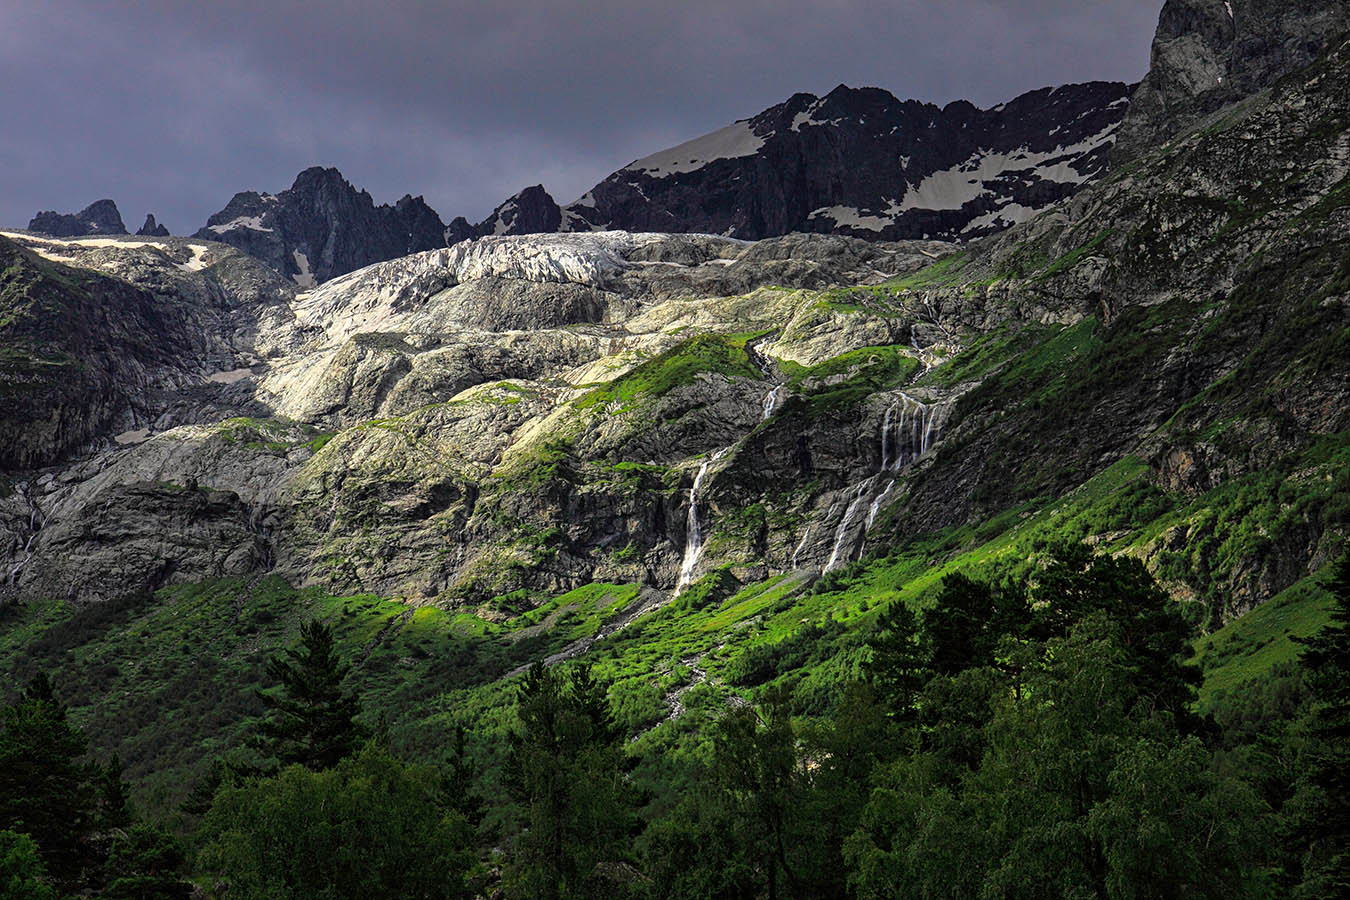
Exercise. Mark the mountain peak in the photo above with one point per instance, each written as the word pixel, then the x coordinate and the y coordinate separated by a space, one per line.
pixel 322 226
pixel 857 162
pixel 99 217
pixel 151 228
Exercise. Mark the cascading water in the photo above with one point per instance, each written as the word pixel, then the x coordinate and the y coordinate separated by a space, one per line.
pixel 876 504
pixel 847 520
pixel 693 541
pixel 902 442
pixel 766 369
pixel 35 522
pixel 771 401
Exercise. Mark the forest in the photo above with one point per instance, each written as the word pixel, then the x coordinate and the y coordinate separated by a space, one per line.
pixel 1020 739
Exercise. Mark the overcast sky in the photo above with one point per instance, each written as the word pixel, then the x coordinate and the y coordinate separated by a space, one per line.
pixel 171 106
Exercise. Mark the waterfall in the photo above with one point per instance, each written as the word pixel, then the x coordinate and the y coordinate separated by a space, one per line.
pixel 842 532
pixel 904 438
pixel 916 432
pixel 771 400
pixel 36 521
pixel 886 437
pixel 876 504
pixel 693 542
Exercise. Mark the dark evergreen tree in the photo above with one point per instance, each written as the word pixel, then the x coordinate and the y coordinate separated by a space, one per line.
pixel 1322 809
pixel 369 828
pixel 756 765
pixel 900 662
pixel 146 863
pixel 1154 634
pixel 312 718
pixel 960 625
pixel 48 789
pixel 114 796
pixel 565 769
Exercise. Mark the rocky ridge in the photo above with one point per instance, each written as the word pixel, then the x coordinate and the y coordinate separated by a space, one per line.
pixel 151 228
pixel 1209 53
pixel 322 227
pixel 99 217
pixel 857 162
pixel 516 416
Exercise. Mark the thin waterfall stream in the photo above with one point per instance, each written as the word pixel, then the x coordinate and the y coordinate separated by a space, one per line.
pixel 693 540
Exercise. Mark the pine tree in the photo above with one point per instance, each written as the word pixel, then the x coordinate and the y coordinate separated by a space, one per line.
pixel 147 863
pixel 312 719
pixel 1323 826
pixel 565 768
pixel 1077 583
pixel 900 662
pixel 47 788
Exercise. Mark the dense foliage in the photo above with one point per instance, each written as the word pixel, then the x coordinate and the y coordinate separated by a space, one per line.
pixel 1025 739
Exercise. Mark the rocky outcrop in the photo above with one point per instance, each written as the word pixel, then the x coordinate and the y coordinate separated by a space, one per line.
pixel 322 227
pixel 100 217
pixel 855 162
pixel 532 211
pixel 1160 355
pixel 109 336
pixel 151 228
pixel 1209 53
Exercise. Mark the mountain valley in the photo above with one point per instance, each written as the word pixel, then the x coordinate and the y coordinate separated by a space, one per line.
pixel 704 429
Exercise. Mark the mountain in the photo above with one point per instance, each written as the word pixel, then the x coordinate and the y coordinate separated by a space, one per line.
pixel 703 463
pixel 1210 53
pixel 532 211
pixel 857 162
pixel 100 217
pixel 151 228
pixel 322 227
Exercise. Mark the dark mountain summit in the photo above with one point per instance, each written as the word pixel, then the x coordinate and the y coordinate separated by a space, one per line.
pixel 100 217
pixel 323 227
pixel 858 162
pixel 1209 53
pixel 151 228
pixel 532 211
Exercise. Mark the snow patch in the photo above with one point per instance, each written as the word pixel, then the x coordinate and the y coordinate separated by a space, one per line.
pixel 230 377
pixel 1011 214
pixel 253 223
pixel 954 188
pixel 305 278
pixel 852 217
pixel 198 261
pixel 736 140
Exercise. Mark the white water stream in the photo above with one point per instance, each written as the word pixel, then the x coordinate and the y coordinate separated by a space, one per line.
pixel 693 540
pixel 904 438
pixel 35 522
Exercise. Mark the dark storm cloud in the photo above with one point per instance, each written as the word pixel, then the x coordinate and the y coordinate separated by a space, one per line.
pixel 173 106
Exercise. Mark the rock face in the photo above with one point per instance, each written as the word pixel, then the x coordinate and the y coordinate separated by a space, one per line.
pixel 856 162
pixel 151 228
pixel 532 211
pixel 530 413
pixel 322 227
pixel 100 217
pixel 1209 53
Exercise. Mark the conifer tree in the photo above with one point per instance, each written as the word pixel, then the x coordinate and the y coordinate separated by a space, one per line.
pixel 900 662
pixel 312 717
pixel 565 768
pixel 47 788
pixel 1323 822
